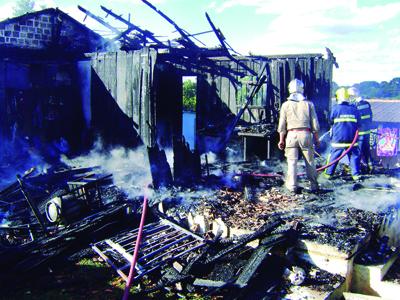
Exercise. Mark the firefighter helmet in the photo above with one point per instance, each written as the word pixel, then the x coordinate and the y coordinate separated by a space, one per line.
pixel 296 86
pixel 342 95
pixel 354 94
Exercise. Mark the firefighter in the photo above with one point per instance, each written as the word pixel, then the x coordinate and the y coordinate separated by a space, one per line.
pixel 298 122
pixel 345 121
pixel 365 111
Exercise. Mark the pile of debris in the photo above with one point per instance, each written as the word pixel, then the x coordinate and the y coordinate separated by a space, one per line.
pixel 233 209
pixel 250 240
pixel 48 215
pixel 264 129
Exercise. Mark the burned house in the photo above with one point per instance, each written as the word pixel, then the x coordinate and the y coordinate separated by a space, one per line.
pixel 217 235
pixel 144 80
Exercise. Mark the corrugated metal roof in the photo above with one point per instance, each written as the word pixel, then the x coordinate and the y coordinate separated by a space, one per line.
pixel 386 111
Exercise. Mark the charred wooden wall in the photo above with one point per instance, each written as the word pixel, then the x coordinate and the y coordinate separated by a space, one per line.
pixel 220 95
pixel 128 78
pixel 147 87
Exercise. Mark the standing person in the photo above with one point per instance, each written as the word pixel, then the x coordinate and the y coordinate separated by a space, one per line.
pixel 345 121
pixel 298 122
pixel 365 111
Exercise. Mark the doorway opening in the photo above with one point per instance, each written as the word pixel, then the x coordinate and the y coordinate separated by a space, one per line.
pixel 189 100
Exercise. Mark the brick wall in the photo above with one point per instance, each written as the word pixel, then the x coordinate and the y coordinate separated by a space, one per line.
pixel 49 27
pixel 35 32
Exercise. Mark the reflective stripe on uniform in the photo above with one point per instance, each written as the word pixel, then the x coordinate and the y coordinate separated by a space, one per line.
pixel 363 117
pixel 327 163
pixel 338 120
pixel 364 106
pixel 364 132
pixel 342 145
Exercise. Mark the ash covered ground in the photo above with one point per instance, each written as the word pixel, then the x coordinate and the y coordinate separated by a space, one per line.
pixel 342 214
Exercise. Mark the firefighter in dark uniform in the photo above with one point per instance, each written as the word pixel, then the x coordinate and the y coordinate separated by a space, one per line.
pixel 365 111
pixel 345 121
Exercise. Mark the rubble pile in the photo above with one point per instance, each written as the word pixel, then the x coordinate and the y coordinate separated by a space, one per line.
pixel 394 273
pixel 235 211
pixel 271 238
pixel 50 214
pixel 305 280
pixel 264 129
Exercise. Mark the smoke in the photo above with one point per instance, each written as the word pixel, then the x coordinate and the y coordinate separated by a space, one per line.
pixel 130 168
pixel 375 196
pixel 233 155
pixel 18 156
pixel 84 74
pixel 209 157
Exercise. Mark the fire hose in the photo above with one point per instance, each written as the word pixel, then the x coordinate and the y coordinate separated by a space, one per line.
pixel 136 251
pixel 318 169
pixel 341 156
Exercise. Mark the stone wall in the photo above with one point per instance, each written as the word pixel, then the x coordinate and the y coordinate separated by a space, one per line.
pixel 35 32
pixel 48 28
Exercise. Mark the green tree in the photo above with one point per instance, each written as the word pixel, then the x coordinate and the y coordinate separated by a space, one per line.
pixel 189 95
pixel 22 7
pixel 382 90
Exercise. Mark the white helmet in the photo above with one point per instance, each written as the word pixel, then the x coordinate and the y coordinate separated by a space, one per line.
pixel 296 86
pixel 354 94
pixel 296 89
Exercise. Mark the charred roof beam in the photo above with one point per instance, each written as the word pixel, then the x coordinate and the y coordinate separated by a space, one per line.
pixel 128 40
pixel 224 44
pixel 185 39
pixel 144 34
pixel 189 65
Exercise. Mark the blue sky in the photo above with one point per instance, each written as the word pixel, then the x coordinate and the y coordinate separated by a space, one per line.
pixel 364 35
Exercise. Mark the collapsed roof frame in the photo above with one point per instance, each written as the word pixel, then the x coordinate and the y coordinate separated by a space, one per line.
pixel 188 54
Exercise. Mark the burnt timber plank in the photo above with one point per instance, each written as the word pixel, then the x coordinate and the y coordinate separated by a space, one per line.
pixel 122 84
pixel 134 78
pixel 145 98
pixel 113 74
pixel 100 66
pixel 134 81
pixel 232 93
pixel 257 258
pixel 224 88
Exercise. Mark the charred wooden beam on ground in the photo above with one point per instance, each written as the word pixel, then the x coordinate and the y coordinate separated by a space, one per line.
pixel 61 200
pixel 256 259
pixel 23 260
pixel 264 230
pixel 32 204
